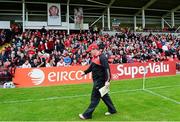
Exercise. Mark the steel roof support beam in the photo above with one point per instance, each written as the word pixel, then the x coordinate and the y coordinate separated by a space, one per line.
pixel 9 1
pixel 162 23
pixel 27 17
pixel 108 13
pixel 120 7
pixel 23 14
pixel 67 18
pixel 172 15
pixel 85 5
pixel 94 8
pixel 98 6
pixel 109 19
pixel 96 21
pixel 167 23
pixel 87 9
pixel 172 19
pixel 103 22
pixel 135 25
pixel 86 14
pixel 143 11
pixel 146 6
pixel 177 29
pixel 172 10
pixel 93 1
pixel 143 18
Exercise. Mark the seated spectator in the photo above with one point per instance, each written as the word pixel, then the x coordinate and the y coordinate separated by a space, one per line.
pixel 35 63
pixel 67 60
pixel 83 62
pixel 60 63
pixel 26 64
pixel 75 63
pixel 116 60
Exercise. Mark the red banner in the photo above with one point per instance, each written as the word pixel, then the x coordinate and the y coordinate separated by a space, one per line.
pixel 137 70
pixel 29 77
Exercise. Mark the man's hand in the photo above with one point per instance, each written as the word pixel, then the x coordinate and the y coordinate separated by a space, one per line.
pixel 107 84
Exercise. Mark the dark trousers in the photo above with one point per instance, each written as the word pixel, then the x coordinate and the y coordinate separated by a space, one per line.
pixel 95 98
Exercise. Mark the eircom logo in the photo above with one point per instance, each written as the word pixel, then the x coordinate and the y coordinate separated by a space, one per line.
pixel 37 76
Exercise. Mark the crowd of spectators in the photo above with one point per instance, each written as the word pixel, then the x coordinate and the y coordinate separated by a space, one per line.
pixel 42 48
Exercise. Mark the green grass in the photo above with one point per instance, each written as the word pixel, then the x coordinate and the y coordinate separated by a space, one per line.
pixel 63 103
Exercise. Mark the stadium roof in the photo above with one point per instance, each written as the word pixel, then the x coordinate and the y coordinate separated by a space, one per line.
pixel 153 8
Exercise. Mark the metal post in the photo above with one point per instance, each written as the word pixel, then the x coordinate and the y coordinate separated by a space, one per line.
pixel 108 12
pixel 27 19
pixel 67 19
pixel 144 77
pixel 23 13
pixel 103 22
pixel 143 18
pixel 162 23
pixel 172 19
pixel 135 24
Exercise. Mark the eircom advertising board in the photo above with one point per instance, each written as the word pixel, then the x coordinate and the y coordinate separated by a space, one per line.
pixel 29 77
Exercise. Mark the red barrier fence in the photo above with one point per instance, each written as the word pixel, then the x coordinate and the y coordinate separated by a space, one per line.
pixel 30 77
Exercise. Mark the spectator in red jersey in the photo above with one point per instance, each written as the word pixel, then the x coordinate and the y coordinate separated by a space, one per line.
pixel 41 46
pixel 50 45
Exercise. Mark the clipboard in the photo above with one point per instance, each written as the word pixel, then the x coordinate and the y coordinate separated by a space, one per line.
pixel 104 90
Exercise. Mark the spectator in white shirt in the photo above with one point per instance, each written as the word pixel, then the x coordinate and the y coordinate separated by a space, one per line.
pixel 61 63
pixel 26 64
pixel 165 47
pixel 83 63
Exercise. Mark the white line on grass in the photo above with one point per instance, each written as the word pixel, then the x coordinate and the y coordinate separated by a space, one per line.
pixel 63 97
pixel 167 98
pixel 160 87
pixel 126 91
pixel 77 96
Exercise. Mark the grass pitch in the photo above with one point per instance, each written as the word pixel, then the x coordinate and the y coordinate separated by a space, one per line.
pixel 160 101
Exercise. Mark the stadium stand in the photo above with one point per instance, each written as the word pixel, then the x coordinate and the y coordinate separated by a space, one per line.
pixel 60 46
pixel 56 48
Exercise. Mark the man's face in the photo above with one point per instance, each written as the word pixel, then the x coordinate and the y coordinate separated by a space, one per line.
pixel 26 62
pixel 35 61
pixel 93 52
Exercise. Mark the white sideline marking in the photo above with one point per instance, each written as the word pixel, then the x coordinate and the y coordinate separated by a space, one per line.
pixel 167 98
pixel 63 97
pixel 76 96
pixel 126 91
pixel 160 87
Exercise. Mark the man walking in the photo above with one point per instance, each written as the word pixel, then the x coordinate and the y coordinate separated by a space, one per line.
pixel 101 77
